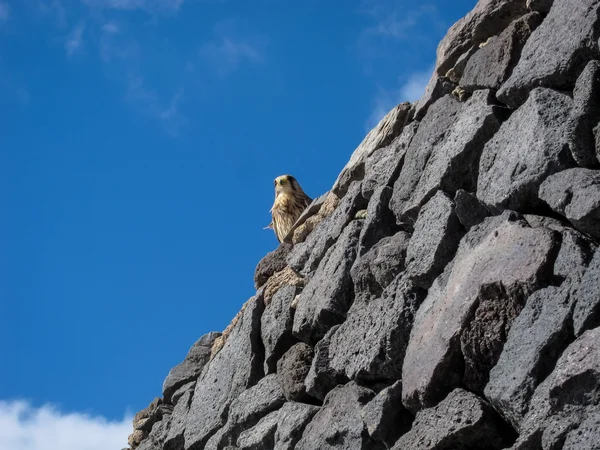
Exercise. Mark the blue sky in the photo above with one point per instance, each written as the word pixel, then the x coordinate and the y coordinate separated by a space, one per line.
pixel 139 143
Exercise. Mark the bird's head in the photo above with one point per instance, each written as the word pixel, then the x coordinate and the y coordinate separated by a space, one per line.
pixel 285 184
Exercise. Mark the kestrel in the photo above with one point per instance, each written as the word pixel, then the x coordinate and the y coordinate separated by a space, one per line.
pixel 290 201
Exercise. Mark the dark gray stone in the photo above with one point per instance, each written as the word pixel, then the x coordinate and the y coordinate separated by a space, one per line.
pixel 556 52
pixel 488 18
pixel 375 270
pixel 542 6
pixel 338 424
pixel 238 366
pixel 380 221
pixel 457 71
pixel 293 368
pixel 385 417
pixel 566 398
pixel 382 135
pixel 175 436
pixel 530 146
pixel 156 438
pixel 585 116
pixel 434 241
pixel 273 262
pixel 575 254
pixel 328 295
pixel 450 162
pixel 469 210
pixel 322 378
pixel 370 345
pixel 435 89
pixel 586 436
pixel 461 421
pixel 587 309
pixel 535 341
pixel 440 118
pixel 500 260
pixel 191 366
pixel 280 430
pixel 492 64
pixel 575 194
pixel 245 412
pixel 383 165
pixel 276 326
pixel 306 256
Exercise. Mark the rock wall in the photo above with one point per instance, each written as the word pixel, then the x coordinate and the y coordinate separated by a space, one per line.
pixel 445 294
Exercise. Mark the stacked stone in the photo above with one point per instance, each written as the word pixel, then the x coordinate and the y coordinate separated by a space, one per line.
pixel 462 311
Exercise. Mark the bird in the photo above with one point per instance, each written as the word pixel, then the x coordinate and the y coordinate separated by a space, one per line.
pixel 290 201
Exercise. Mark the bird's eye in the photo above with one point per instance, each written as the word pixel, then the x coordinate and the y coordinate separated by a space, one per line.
pixel 282 181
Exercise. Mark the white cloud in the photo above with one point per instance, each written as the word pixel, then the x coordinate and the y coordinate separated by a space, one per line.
pixel 74 41
pixel 410 89
pixel 164 5
pixel 233 45
pixel 111 27
pixel 24 427
pixel 4 11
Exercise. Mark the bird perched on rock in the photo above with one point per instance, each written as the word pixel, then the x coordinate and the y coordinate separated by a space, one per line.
pixel 290 201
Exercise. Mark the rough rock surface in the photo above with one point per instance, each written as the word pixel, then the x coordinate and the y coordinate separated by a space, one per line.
pixel 338 424
pixel 498 264
pixel 445 292
pixel 575 194
pixel 556 52
pixel 190 368
pixel 462 420
pixel 511 169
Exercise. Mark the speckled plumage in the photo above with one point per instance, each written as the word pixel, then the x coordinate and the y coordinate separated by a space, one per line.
pixel 290 201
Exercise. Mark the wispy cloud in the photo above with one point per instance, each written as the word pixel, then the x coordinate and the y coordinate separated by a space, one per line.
pixel 74 42
pixel 233 45
pixel 111 27
pixel 153 5
pixel 4 11
pixel 410 89
pixel 24 427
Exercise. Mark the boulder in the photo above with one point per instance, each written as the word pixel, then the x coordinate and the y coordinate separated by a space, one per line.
pixel 385 417
pixel 382 135
pixel 461 421
pixel 502 260
pixel 370 345
pixel 488 18
pixel 280 430
pixel 586 314
pixel 437 233
pixel 556 52
pixel 451 161
pixel 375 270
pixel 235 368
pixel 245 412
pixel 276 326
pixel 306 256
pixel 293 368
pixel 338 424
pixel 492 64
pixel 273 262
pixel 575 194
pixel 326 298
pixel 469 209
pixel 536 339
pixel 567 399
pixel 530 146
pixel 585 116
pixel 190 368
